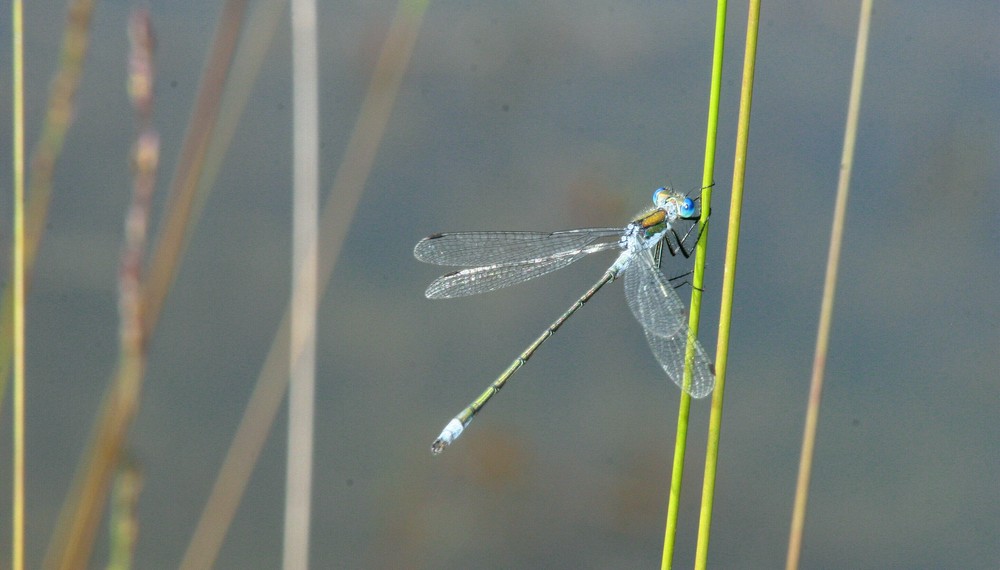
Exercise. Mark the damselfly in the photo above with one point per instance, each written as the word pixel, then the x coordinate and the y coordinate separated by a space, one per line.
pixel 499 259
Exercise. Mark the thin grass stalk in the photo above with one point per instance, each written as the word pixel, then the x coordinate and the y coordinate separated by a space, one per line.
pixel 302 304
pixel 183 188
pixel 90 483
pixel 708 177
pixel 73 541
pixel 348 184
pixel 728 288
pixel 17 500
pixel 58 117
pixel 262 24
pixel 829 291
pixel 124 524
pixel 82 503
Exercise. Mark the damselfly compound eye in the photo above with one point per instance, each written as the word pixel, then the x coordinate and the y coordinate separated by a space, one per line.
pixel 660 196
pixel 687 208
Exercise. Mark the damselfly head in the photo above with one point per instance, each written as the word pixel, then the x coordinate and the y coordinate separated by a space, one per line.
pixel 676 205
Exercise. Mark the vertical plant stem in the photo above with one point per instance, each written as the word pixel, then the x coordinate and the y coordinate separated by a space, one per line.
pixel 58 117
pixel 302 305
pixel 73 540
pixel 124 525
pixel 829 291
pixel 91 481
pixel 728 285
pixel 708 176
pixel 83 505
pixel 335 219
pixel 17 39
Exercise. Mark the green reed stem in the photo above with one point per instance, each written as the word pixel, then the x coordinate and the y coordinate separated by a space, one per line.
pixel 708 176
pixel 728 285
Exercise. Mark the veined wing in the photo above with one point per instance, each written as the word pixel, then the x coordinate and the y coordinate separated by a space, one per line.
pixel 470 249
pixel 652 298
pixel 475 280
pixel 671 353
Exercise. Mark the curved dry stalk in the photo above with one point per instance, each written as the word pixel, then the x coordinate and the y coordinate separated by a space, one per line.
pixel 829 290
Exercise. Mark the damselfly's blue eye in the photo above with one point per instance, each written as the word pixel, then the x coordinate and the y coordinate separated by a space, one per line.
pixel 687 208
pixel 660 196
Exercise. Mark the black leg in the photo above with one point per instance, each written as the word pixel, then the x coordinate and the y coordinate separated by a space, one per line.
pixel 677 246
pixel 684 282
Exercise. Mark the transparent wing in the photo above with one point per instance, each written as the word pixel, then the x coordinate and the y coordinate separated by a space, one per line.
pixel 469 249
pixel 652 299
pixel 476 280
pixel 670 352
